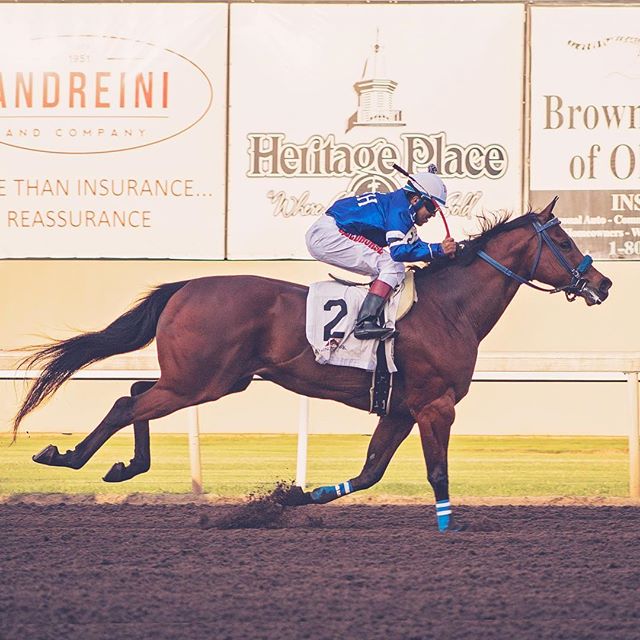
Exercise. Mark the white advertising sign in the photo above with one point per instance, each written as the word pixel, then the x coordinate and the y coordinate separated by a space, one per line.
pixel 324 99
pixel 112 130
pixel 585 124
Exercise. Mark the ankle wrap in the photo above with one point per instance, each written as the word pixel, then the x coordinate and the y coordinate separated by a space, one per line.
pixel 443 514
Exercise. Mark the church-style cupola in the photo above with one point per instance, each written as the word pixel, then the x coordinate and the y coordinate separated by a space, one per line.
pixel 375 95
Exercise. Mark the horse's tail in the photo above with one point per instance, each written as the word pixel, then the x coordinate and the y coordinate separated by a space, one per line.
pixel 133 330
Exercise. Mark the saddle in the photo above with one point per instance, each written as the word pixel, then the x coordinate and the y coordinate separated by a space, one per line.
pixel 408 295
pixel 333 342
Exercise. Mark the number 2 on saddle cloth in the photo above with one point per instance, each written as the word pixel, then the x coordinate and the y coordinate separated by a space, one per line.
pixel 339 302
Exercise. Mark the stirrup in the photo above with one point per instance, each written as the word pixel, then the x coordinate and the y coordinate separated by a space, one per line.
pixel 372 332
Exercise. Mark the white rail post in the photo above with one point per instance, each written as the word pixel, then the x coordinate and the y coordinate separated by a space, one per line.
pixel 303 440
pixel 194 450
pixel 634 435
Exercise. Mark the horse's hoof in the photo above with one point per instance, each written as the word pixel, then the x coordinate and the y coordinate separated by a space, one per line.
pixel 47 456
pixel 121 472
pixel 52 457
pixel 296 497
pixel 455 527
pixel 116 473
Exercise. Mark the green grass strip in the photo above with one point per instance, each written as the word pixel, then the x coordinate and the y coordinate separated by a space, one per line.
pixel 234 465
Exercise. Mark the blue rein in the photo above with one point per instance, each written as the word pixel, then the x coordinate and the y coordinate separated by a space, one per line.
pixel 577 284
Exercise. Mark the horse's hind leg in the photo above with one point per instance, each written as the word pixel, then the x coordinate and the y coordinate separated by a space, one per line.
pixel 154 403
pixel 141 461
pixel 389 434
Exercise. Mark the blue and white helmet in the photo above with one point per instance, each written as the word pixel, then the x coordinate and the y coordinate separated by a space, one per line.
pixel 428 183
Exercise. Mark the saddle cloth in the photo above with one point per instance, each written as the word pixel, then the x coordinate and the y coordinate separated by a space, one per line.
pixel 332 309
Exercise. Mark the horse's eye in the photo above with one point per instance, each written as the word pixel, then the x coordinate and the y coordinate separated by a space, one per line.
pixel 565 245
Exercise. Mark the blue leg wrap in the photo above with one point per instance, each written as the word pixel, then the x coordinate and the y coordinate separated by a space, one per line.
pixel 443 514
pixel 330 492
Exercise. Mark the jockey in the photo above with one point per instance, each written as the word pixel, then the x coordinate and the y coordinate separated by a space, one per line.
pixel 373 234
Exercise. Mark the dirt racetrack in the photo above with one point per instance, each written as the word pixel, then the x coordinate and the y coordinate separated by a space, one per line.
pixel 339 572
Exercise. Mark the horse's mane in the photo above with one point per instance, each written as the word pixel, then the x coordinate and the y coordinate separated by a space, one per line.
pixel 491 225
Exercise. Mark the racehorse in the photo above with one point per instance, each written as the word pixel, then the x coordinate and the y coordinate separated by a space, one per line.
pixel 214 334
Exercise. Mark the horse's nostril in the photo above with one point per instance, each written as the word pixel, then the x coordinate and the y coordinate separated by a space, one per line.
pixel 605 285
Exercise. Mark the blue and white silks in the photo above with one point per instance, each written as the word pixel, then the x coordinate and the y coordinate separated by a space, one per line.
pixel 387 220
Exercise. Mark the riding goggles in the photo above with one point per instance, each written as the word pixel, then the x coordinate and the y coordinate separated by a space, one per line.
pixel 424 200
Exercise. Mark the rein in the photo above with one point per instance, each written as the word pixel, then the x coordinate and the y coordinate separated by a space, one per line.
pixel 571 290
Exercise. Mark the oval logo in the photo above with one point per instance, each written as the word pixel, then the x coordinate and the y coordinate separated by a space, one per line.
pixel 99 94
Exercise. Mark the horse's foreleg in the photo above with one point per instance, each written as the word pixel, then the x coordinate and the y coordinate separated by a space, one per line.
pixel 154 403
pixel 434 422
pixel 386 439
pixel 141 461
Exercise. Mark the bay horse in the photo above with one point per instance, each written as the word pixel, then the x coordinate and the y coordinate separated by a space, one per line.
pixel 215 333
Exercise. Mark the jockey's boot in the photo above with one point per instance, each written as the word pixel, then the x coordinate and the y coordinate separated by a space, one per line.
pixel 369 325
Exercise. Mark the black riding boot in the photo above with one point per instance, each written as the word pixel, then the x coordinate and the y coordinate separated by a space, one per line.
pixel 368 324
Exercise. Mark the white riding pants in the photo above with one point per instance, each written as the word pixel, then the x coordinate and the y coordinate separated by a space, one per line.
pixel 327 243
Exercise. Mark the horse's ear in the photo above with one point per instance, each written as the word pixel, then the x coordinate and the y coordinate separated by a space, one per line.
pixel 547 212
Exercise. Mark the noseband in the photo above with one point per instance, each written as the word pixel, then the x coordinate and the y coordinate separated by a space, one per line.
pixel 571 290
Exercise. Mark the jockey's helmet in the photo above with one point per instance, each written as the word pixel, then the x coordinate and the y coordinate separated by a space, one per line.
pixel 428 183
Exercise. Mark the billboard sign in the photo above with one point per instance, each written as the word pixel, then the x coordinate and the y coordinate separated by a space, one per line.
pixel 585 118
pixel 112 131
pixel 324 112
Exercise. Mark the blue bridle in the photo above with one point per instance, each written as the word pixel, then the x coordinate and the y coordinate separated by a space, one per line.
pixel 571 290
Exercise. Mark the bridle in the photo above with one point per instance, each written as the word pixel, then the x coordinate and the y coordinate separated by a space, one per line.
pixel 571 290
